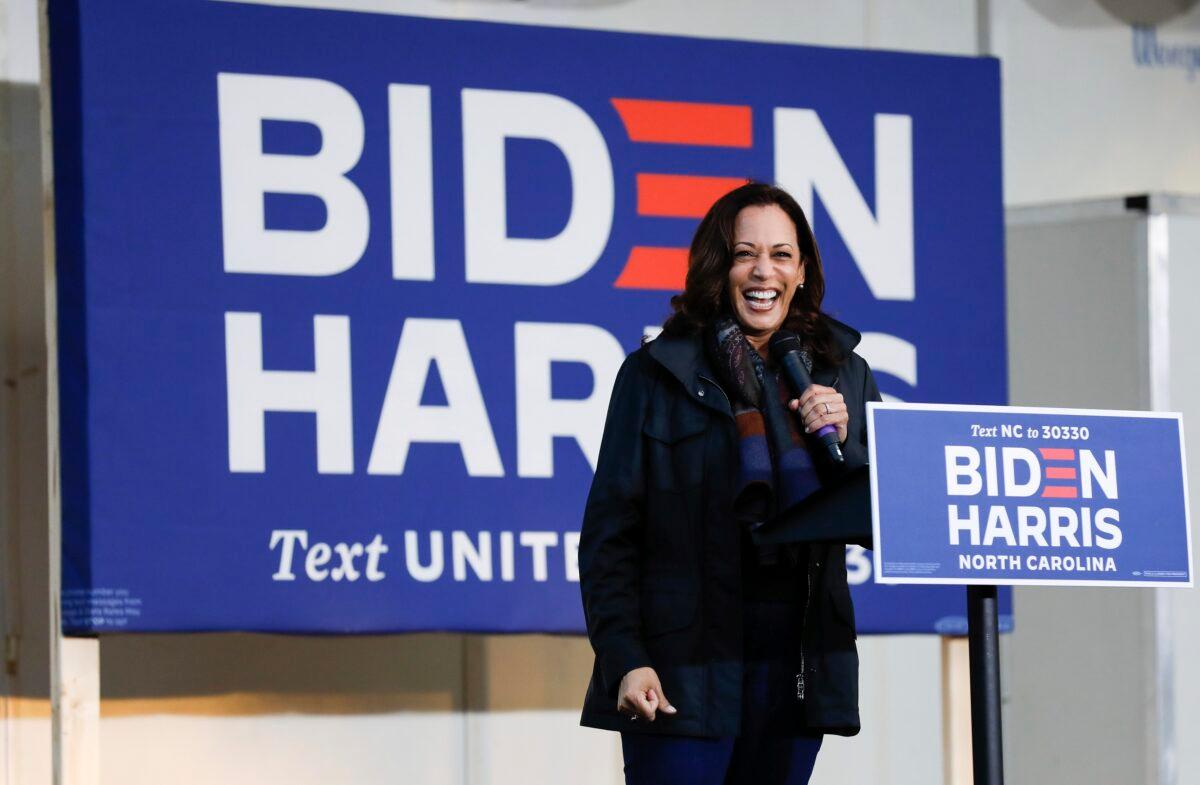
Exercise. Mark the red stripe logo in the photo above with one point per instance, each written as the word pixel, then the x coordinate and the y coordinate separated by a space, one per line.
pixel 681 195
pixel 1059 455
pixel 661 195
pixel 680 122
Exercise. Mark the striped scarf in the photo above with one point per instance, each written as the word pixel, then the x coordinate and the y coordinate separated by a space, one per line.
pixel 776 469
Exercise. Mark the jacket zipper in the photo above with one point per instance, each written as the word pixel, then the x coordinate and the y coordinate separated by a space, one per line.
pixel 803 627
pixel 807 600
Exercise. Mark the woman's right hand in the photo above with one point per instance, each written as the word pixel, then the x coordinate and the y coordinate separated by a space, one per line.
pixel 641 695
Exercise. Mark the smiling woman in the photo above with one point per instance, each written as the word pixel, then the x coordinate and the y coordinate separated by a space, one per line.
pixel 756 237
pixel 719 660
pixel 764 274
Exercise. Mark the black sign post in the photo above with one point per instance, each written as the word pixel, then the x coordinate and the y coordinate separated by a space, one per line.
pixel 983 636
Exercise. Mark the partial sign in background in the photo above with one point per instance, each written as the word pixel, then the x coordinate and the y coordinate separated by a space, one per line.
pixel 1013 495
pixel 341 295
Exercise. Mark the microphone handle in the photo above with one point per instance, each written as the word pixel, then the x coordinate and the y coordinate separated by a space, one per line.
pixel 799 380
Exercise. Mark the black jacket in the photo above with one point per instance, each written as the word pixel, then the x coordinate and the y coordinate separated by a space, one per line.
pixel 659 551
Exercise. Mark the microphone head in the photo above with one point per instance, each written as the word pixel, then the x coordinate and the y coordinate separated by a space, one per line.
pixel 783 342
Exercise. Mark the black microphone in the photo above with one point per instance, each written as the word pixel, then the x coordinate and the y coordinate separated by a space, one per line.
pixel 787 351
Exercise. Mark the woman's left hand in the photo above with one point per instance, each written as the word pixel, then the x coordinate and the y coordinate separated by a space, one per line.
pixel 820 406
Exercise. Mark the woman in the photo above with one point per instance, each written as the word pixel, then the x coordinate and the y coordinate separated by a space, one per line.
pixel 720 661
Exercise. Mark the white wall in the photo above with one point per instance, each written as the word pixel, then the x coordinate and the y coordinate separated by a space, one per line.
pixel 1182 614
pixel 438 709
pixel 1081 118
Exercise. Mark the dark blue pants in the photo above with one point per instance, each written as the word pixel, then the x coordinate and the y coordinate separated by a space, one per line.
pixel 684 760
pixel 769 750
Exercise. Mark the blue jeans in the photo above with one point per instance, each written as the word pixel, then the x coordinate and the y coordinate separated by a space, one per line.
pixel 771 749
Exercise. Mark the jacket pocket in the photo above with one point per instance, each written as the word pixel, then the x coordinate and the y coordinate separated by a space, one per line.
pixel 670 424
pixel 675 444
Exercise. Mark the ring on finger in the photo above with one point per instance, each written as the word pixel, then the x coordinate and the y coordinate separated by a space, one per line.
pixel 827 411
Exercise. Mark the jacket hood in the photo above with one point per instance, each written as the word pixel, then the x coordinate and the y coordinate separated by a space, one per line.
pixel 847 337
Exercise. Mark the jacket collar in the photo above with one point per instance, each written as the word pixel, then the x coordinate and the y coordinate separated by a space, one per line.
pixel 684 357
pixel 846 336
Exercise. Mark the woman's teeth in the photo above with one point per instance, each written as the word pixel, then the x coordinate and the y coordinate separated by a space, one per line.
pixel 761 299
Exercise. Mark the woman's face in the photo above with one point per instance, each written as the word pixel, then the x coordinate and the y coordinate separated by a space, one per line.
pixel 766 268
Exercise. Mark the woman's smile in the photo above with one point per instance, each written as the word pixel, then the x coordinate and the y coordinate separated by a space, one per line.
pixel 760 299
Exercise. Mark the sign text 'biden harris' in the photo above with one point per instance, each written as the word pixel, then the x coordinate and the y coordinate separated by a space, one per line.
pixel 1013 495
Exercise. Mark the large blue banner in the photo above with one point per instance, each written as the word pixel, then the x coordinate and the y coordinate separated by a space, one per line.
pixel 1011 495
pixel 342 295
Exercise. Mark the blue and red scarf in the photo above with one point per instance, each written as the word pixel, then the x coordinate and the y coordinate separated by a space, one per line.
pixel 776 469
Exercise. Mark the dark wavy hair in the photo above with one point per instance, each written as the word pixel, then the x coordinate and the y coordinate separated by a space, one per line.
pixel 706 291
